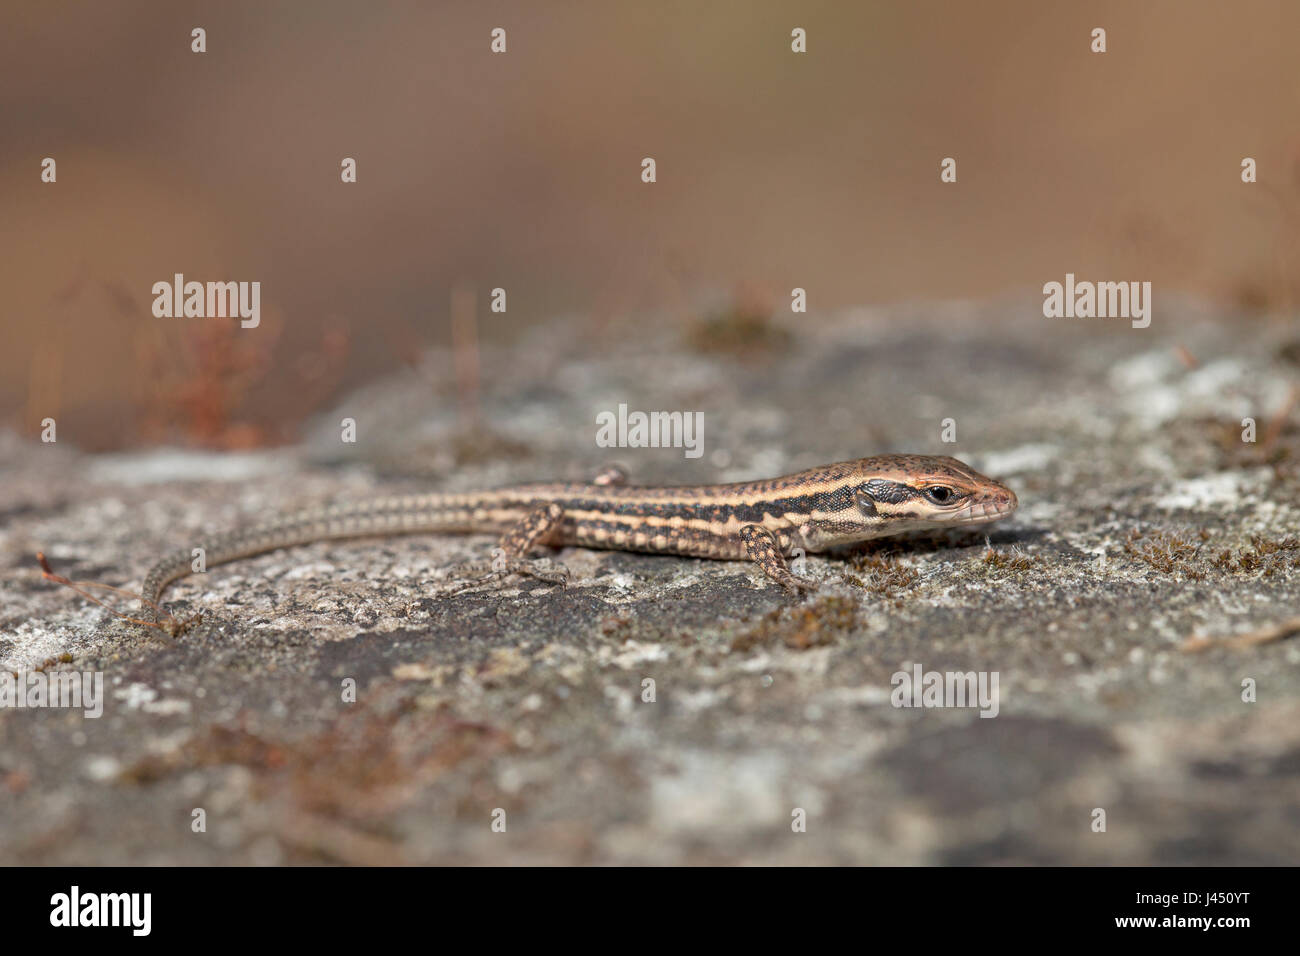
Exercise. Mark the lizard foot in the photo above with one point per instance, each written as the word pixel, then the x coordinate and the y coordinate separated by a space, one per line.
pixel 478 574
pixel 796 586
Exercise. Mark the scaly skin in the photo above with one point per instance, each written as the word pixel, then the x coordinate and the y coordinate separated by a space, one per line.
pixel 761 521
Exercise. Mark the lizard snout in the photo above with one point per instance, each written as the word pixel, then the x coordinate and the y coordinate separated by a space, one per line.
pixel 1003 501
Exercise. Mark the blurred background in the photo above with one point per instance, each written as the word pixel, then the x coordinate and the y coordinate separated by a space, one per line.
pixel 522 171
pixel 1149 521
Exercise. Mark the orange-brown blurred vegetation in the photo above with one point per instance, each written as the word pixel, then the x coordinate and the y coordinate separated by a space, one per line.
pixel 522 170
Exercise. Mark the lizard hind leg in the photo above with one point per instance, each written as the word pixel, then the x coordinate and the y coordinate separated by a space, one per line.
pixel 510 556
pixel 761 547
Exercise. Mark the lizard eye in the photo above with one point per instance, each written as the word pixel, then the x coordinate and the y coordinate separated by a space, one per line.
pixel 940 494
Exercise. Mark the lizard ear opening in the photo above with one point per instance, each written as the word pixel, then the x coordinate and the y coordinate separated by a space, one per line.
pixel 866 504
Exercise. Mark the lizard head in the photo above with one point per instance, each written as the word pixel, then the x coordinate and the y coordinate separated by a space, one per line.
pixel 894 494
pixel 912 492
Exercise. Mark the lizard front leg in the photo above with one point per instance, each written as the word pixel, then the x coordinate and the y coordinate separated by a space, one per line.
pixel 761 547
pixel 610 475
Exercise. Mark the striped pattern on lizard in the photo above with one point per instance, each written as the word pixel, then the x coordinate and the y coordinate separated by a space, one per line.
pixel 760 521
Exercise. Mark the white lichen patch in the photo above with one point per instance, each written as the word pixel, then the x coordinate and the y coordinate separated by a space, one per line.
pixel 718 791
pixel 1155 388
pixel 1034 456
pixel 176 464
pixel 1217 490
pixel 634 654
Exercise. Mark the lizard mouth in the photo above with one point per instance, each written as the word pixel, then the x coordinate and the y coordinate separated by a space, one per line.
pixel 990 509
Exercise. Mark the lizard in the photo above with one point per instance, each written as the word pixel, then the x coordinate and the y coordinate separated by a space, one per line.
pixel 764 521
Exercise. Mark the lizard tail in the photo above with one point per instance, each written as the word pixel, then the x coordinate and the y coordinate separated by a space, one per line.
pixel 401 514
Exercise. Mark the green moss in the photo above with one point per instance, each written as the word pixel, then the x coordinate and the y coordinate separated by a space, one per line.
pixel 1013 560
pixel 880 573
pixel 1183 552
pixel 744 329
pixel 1267 556
pixel 1170 552
pixel 814 624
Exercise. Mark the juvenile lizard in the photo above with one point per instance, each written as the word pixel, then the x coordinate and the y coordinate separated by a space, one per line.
pixel 762 521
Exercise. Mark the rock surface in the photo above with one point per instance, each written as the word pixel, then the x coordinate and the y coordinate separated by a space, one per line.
pixel 1144 521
